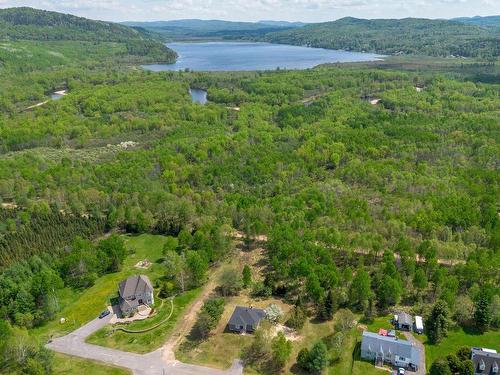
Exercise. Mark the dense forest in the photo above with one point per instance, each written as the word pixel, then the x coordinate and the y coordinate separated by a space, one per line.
pixel 405 36
pixel 27 24
pixel 376 187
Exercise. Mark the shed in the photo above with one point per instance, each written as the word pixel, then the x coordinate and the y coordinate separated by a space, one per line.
pixel 404 322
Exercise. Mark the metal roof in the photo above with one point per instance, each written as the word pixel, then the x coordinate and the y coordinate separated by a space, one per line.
pixel 384 344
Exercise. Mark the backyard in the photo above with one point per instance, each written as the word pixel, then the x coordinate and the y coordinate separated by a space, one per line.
pixel 456 339
pixel 79 308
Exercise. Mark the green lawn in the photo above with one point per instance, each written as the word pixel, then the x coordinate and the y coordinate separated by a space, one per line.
pixel 66 365
pixel 455 340
pixel 79 308
pixel 375 324
pixel 148 341
pixel 219 351
pixel 350 362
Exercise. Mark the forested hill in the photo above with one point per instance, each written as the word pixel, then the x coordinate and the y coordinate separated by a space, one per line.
pixel 390 36
pixel 490 21
pixel 34 24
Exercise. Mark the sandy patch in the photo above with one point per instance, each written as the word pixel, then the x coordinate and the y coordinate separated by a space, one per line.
pixel 143 264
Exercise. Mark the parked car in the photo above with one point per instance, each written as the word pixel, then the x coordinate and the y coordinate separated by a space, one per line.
pixel 104 314
pixel 401 371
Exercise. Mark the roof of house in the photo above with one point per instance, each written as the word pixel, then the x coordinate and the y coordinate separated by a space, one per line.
pixel 404 318
pixel 137 284
pixel 489 358
pixel 128 304
pixel 244 316
pixel 383 344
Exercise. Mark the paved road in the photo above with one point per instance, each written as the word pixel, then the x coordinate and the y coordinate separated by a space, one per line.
pixel 421 348
pixel 155 363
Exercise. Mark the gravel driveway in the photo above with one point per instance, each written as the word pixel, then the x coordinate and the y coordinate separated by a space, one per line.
pixel 421 349
pixel 158 362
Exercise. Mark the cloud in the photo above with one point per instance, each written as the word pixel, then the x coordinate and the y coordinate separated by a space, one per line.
pixel 294 10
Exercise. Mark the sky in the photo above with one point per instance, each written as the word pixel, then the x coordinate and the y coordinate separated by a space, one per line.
pixel 255 10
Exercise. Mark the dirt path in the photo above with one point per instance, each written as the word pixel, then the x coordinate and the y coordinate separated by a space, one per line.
pixel 185 325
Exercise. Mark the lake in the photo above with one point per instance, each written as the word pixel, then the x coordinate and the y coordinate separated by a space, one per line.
pixel 235 56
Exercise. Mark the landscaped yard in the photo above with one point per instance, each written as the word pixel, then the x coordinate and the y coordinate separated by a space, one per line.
pixel 455 340
pixel 67 365
pixel 148 341
pixel 80 308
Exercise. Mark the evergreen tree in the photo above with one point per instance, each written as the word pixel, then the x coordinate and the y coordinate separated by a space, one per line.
pixel 437 323
pixel 482 313
pixel 330 305
pixel 247 276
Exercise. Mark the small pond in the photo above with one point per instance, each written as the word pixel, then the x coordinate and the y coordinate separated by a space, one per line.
pixel 198 96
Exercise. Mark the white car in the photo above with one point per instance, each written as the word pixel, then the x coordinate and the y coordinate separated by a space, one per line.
pixel 401 371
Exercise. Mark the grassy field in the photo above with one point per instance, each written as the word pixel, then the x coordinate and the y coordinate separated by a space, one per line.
pixel 148 341
pixel 66 365
pixel 223 347
pixel 80 308
pixel 455 340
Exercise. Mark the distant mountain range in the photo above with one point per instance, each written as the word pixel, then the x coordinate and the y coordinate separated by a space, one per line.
pixel 489 21
pixel 195 28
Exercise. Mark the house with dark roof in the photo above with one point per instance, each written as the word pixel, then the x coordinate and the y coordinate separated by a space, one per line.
pixel 133 292
pixel 403 321
pixel 245 319
pixel 391 350
pixel 486 361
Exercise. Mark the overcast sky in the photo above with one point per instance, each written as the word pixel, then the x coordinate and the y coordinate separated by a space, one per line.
pixel 254 10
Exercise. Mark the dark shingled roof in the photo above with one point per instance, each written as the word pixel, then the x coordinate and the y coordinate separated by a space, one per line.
pixel 244 316
pixel 404 318
pixel 488 359
pixel 135 285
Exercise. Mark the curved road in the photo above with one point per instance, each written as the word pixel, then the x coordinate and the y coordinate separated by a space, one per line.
pixel 159 362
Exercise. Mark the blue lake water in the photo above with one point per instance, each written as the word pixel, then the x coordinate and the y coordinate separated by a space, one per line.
pixel 234 56
pixel 198 96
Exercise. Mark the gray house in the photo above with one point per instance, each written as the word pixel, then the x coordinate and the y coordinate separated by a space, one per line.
pixel 135 291
pixel 245 319
pixel 486 361
pixel 384 349
pixel 403 321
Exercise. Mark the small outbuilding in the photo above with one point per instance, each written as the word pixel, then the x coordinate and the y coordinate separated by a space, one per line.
pixel 403 321
pixel 245 319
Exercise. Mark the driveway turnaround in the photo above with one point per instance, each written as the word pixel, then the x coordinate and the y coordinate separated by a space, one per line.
pixel 159 362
